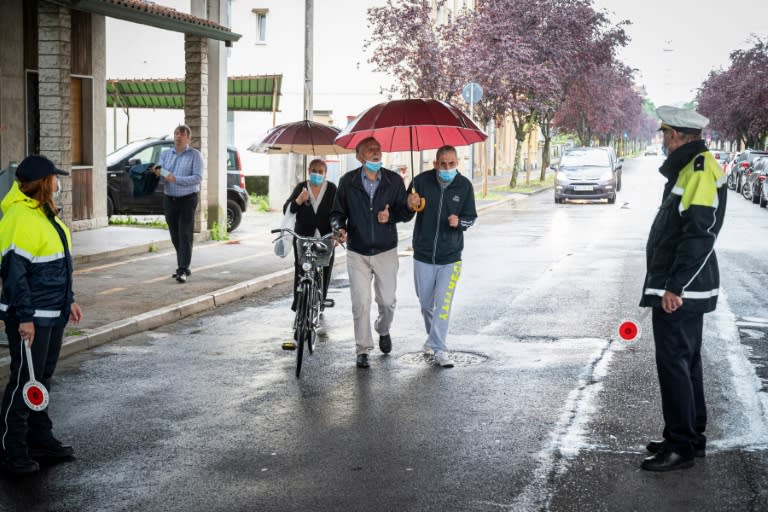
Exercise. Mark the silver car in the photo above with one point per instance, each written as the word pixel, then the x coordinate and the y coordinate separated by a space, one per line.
pixel 588 173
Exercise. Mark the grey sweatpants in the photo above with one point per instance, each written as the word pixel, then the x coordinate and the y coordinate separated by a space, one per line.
pixel 382 269
pixel 435 288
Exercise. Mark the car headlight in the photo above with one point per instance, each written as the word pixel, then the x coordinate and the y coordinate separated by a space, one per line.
pixel 560 178
pixel 606 176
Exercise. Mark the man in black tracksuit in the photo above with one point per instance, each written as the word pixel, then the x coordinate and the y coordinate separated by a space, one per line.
pixel 369 201
pixel 682 284
pixel 438 239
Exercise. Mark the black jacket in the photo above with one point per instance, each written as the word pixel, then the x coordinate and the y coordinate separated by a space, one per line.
pixel 680 251
pixel 307 221
pixel 354 211
pixel 36 265
pixel 434 241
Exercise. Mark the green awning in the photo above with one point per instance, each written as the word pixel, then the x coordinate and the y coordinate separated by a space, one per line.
pixel 245 93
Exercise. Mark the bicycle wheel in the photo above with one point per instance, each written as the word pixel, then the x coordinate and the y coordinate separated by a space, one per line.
pixel 314 313
pixel 302 323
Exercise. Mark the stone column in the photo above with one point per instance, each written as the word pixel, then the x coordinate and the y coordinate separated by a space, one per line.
pixel 196 111
pixel 217 122
pixel 54 50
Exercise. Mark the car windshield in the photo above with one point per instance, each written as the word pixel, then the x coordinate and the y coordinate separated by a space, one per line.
pixel 590 158
pixel 122 153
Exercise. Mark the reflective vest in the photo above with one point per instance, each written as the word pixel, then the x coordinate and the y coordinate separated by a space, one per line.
pixel 680 251
pixel 35 263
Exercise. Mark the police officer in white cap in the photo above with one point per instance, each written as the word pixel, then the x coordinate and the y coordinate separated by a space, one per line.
pixel 682 284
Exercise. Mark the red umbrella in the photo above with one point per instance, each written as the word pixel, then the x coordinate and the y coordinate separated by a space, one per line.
pixel 412 125
pixel 302 137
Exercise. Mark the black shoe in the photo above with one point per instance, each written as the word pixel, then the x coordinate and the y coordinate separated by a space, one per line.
pixel 182 278
pixel 667 460
pixel 657 446
pixel 385 343
pixel 20 465
pixel 362 361
pixel 50 449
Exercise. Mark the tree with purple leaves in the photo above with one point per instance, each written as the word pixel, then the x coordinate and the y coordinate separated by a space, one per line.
pixel 530 57
pixel 409 46
pixel 736 100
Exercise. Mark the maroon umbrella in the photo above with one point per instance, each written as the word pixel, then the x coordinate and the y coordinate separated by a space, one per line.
pixel 302 137
pixel 412 125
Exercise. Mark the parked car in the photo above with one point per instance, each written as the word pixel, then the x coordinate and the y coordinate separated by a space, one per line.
pixel 754 179
pixel 131 189
pixel 743 162
pixel 588 173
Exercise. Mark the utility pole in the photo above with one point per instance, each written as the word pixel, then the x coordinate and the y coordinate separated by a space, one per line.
pixel 308 54
pixel 308 63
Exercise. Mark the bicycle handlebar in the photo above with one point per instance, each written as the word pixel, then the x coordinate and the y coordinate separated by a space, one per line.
pixel 299 237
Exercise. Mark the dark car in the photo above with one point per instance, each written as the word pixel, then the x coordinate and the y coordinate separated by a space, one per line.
pixel 743 162
pixel 588 173
pixel 754 179
pixel 132 189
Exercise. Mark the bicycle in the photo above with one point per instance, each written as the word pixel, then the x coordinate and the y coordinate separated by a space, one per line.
pixel 314 253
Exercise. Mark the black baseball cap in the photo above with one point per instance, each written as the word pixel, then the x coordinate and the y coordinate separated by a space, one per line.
pixel 36 167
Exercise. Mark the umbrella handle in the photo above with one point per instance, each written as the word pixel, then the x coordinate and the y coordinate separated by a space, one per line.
pixel 422 205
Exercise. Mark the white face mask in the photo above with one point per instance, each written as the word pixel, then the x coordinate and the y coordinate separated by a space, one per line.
pixel 57 192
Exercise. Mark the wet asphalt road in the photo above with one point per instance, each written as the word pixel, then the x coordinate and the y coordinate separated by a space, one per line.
pixel 544 411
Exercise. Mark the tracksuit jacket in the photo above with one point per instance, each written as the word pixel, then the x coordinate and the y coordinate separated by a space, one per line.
pixel 434 241
pixel 680 252
pixel 355 211
pixel 35 263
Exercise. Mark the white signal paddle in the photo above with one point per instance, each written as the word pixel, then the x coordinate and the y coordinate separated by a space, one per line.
pixel 35 394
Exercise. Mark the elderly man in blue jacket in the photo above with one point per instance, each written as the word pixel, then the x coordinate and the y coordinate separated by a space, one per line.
pixel 369 201
pixel 445 201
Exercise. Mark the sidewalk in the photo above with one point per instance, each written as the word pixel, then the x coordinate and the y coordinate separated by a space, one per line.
pixel 123 277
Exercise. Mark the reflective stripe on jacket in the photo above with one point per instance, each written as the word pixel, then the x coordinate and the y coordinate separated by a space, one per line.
pixel 35 264
pixel 680 252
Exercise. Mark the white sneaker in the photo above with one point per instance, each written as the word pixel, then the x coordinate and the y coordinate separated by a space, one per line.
pixel 443 359
pixel 427 349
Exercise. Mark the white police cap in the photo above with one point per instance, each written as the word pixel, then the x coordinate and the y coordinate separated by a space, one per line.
pixel 681 119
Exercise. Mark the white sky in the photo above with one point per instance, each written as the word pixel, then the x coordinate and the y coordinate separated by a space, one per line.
pixel 701 35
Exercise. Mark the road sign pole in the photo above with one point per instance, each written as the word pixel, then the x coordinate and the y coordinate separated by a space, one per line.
pixel 472 117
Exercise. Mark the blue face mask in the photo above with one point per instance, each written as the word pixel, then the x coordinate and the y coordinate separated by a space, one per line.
pixel 373 166
pixel 447 175
pixel 316 179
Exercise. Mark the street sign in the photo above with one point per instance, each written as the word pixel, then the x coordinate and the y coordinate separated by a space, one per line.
pixel 472 93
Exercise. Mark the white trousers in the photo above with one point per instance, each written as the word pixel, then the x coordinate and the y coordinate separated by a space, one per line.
pixel 382 269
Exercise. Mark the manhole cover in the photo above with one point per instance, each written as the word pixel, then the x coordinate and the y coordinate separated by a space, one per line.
pixel 459 359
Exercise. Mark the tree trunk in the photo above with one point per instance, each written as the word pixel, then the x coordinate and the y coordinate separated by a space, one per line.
pixel 518 159
pixel 545 161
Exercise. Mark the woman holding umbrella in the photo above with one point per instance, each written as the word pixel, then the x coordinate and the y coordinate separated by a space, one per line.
pixel 36 303
pixel 311 201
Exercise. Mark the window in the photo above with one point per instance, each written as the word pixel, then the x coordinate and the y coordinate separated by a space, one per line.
pixel 261 25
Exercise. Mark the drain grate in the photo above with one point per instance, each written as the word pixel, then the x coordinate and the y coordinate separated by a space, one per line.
pixel 459 359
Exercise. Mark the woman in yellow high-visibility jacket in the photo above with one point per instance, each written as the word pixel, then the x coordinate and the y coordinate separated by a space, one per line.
pixel 36 303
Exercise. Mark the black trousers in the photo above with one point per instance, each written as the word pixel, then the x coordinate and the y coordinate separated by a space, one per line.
pixel 18 423
pixel 297 274
pixel 180 217
pixel 677 337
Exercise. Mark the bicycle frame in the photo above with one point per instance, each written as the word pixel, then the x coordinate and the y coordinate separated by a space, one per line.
pixel 313 254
